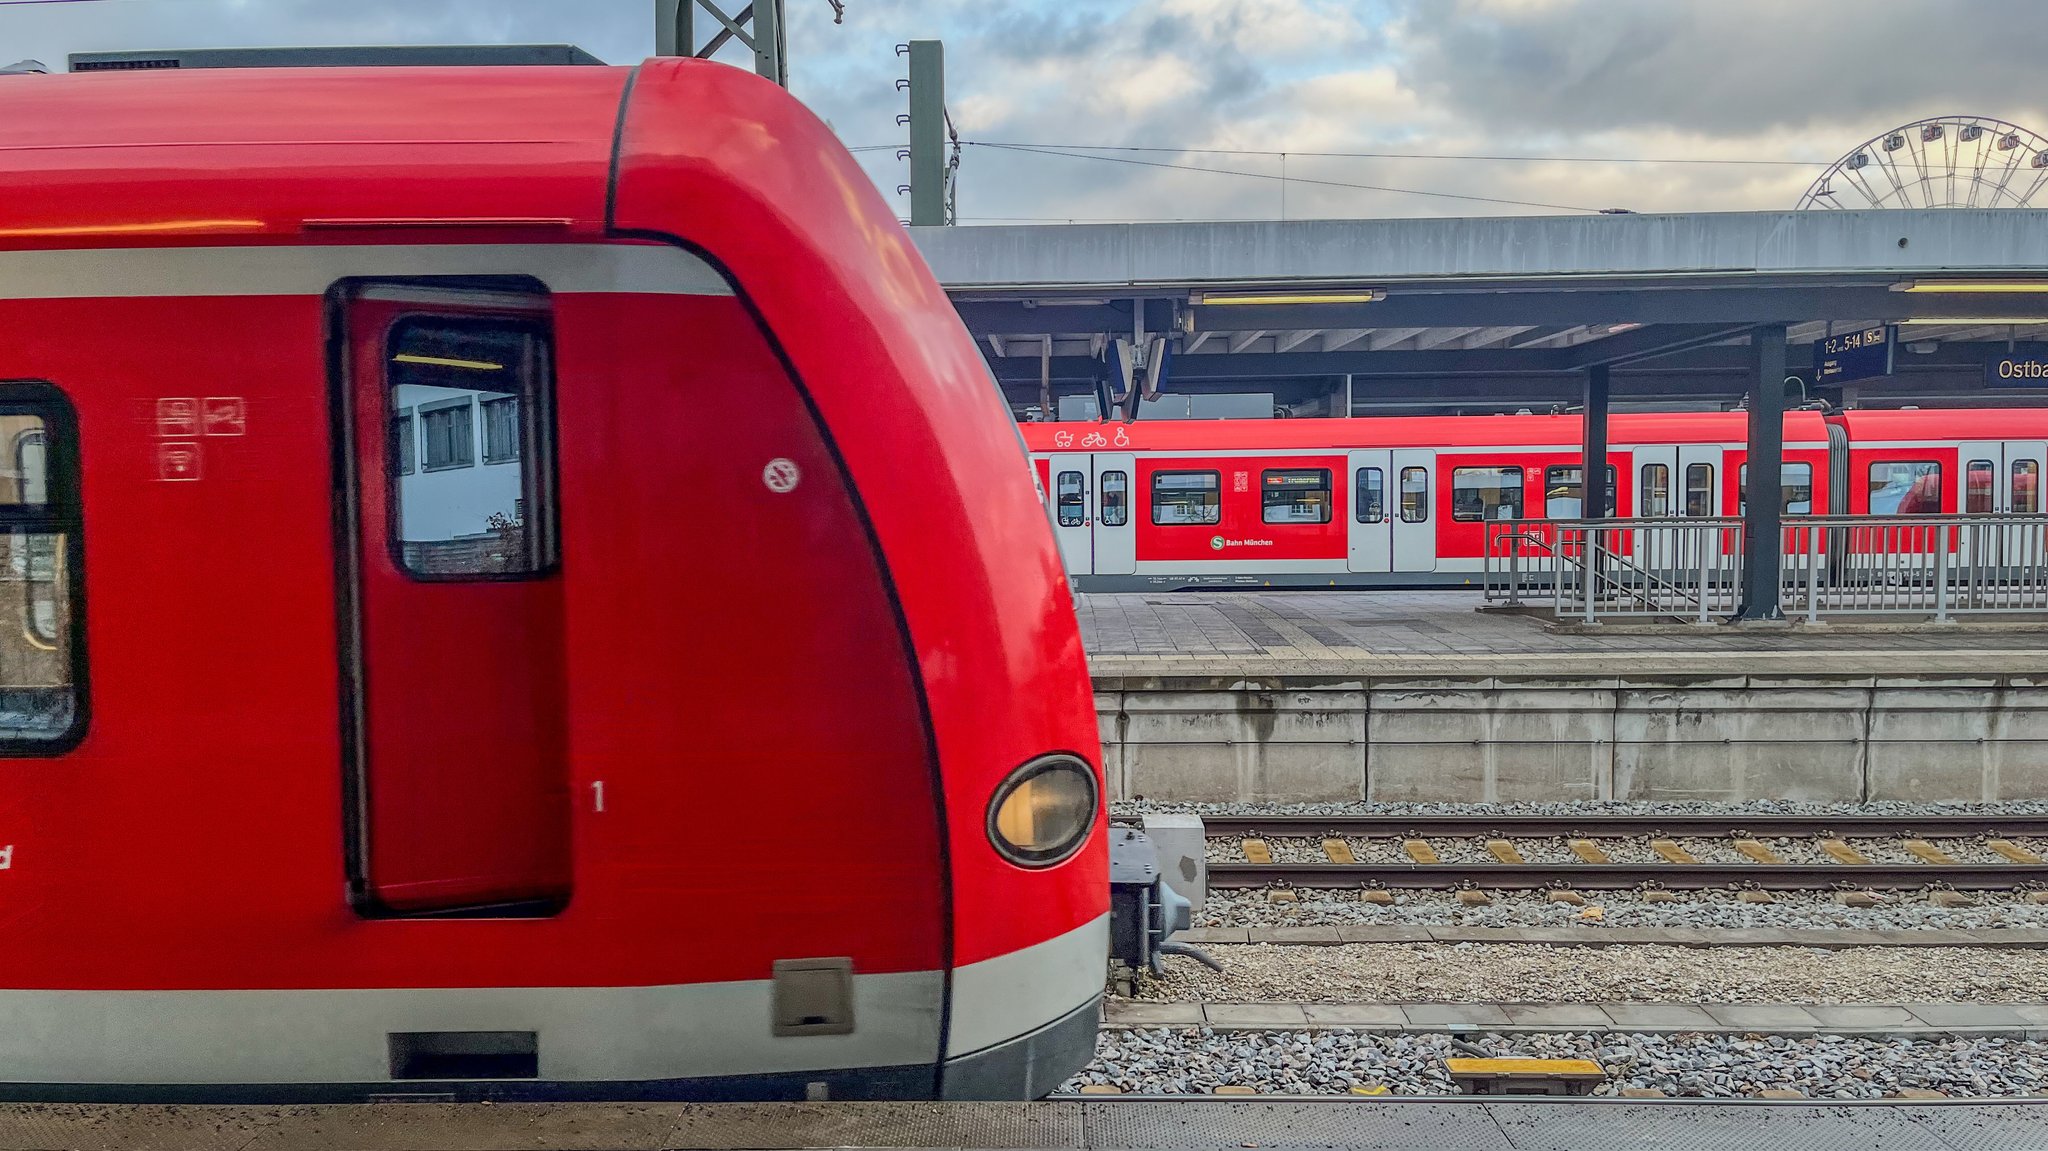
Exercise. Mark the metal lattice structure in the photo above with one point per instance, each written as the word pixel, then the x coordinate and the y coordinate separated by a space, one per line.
pixel 1941 162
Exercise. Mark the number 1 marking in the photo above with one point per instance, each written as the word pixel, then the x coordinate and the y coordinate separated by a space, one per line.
pixel 597 794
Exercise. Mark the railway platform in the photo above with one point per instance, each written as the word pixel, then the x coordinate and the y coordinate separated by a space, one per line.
pixel 1467 1124
pixel 1307 696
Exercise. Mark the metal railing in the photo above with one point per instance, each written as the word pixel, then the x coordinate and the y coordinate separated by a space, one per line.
pixel 1940 567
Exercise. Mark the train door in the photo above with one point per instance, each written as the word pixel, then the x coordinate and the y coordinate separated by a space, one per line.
pixel 457 687
pixel 1412 474
pixel 1677 481
pixel 1115 536
pixel 2002 478
pixel 1371 532
pixel 1072 518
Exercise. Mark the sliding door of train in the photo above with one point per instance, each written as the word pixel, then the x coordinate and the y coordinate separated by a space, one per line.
pixel 2002 478
pixel 1115 533
pixel 1073 520
pixel 1677 482
pixel 1393 526
pixel 456 622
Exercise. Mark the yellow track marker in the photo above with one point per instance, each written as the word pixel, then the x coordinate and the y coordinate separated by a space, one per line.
pixel 2012 851
pixel 1338 851
pixel 1504 851
pixel 1926 852
pixel 1256 851
pixel 1588 851
pixel 1842 853
pixel 1755 849
pixel 1420 852
pixel 1670 852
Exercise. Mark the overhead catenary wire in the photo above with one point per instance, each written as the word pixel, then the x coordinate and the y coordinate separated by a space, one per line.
pixel 1512 159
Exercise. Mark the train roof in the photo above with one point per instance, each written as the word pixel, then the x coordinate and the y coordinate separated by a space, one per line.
pixel 173 155
pixel 1946 423
pixel 1413 431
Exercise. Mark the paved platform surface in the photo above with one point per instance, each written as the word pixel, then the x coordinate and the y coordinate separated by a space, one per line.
pixel 1411 633
pixel 1911 1020
pixel 1140 1125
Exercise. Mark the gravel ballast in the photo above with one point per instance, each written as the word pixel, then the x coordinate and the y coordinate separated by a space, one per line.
pixel 1196 1061
pixel 1134 809
pixel 1490 972
pixel 1819 910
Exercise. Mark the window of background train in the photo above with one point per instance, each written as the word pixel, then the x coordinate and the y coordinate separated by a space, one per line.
pixel 1656 491
pixel 1796 494
pixel 1295 496
pixel 2026 486
pixel 1563 494
pixel 1486 493
pixel 1699 489
pixel 468 388
pixel 1072 500
pixel 1979 476
pixel 1414 495
pixel 39 695
pixel 1372 496
pixel 1116 499
pixel 1187 497
pixel 1905 488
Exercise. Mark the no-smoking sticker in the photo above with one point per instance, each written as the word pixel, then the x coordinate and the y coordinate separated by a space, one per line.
pixel 781 475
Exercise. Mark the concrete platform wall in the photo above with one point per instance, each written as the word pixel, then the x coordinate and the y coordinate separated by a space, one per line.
pixel 1498 739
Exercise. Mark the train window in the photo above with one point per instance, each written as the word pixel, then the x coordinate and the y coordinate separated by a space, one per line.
pixel 2026 486
pixel 1072 499
pixel 495 522
pixel 1295 495
pixel 1414 495
pixel 1656 491
pixel 41 640
pixel 1372 496
pixel 1796 493
pixel 1116 499
pixel 1563 497
pixel 1187 498
pixel 1699 489
pixel 1486 493
pixel 1905 488
pixel 1980 478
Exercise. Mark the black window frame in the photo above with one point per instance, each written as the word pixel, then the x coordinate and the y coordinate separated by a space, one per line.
pixel 466 405
pixel 1327 486
pixel 1118 513
pixel 2012 479
pixel 1520 487
pixel 1686 492
pixel 62 513
pixel 1216 506
pixel 1059 498
pixel 1427 479
pixel 1663 489
pixel 1379 496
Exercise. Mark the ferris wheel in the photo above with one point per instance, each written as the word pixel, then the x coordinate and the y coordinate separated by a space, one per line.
pixel 1942 162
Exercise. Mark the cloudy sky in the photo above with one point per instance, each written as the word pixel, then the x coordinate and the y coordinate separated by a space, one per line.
pixel 1227 85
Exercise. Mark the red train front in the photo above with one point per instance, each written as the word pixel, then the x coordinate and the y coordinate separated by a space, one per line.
pixel 477 632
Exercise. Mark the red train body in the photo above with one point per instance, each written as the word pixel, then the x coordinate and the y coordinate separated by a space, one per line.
pixel 517 660
pixel 1404 501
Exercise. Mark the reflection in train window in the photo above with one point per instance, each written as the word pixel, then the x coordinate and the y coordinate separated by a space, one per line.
pixel 1562 495
pixel 2026 486
pixel 1796 493
pixel 1187 498
pixel 1656 491
pixel 1116 499
pixel 1699 489
pixel 1295 495
pixel 1414 495
pixel 1905 488
pixel 1071 498
pixel 1980 480
pixel 404 449
pixel 1372 496
pixel 1486 493
pixel 41 637
pixel 452 518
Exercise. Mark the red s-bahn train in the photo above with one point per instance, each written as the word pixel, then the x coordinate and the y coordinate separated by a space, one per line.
pixel 466 629
pixel 1404 501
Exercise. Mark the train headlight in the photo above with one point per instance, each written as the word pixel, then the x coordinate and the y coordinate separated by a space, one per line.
pixel 1043 812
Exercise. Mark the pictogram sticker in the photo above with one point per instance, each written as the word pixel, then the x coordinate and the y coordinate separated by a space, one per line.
pixel 781 475
pixel 225 415
pixel 177 417
pixel 177 461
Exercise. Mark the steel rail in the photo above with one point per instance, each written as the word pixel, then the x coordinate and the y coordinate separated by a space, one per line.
pixel 1627 876
pixel 1759 826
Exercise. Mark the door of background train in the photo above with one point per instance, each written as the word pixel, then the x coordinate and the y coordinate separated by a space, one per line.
pixel 1073 520
pixel 1392 528
pixel 2002 478
pixel 1677 481
pixel 1115 535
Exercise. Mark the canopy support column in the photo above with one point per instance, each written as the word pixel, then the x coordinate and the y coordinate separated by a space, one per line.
pixel 1763 537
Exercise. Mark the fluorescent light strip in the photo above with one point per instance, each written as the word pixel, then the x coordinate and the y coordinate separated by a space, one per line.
pixel 446 362
pixel 1299 298
pixel 1986 287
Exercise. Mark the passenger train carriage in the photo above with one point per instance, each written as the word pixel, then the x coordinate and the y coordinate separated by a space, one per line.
pixel 1405 501
pixel 466 629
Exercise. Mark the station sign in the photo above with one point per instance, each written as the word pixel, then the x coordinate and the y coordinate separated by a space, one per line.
pixel 2026 366
pixel 1863 354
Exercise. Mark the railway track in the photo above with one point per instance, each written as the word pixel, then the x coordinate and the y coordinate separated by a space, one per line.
pixel 1672 842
